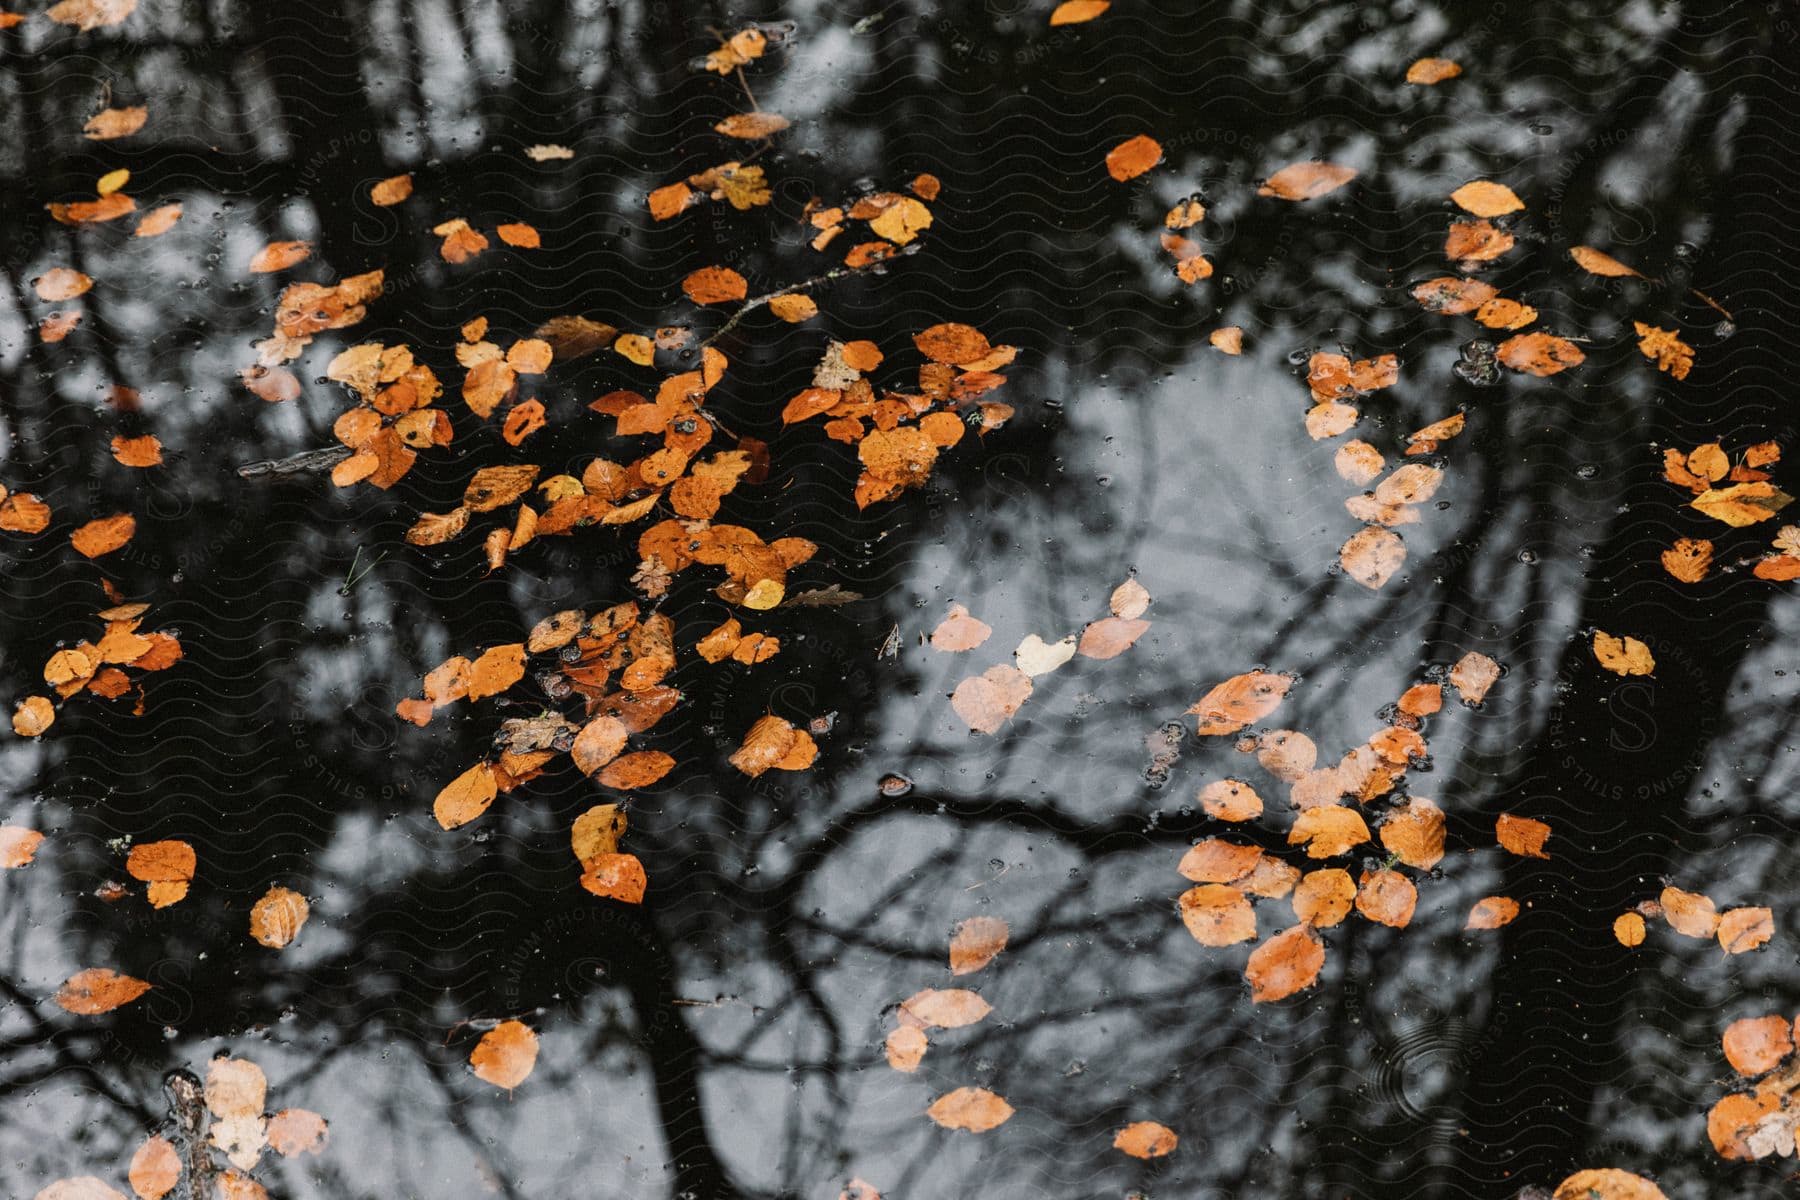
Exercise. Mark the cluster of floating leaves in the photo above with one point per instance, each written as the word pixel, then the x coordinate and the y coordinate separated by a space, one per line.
pixel 986 702
pixel 1330 803
pixel 102 667
pixel 226 1131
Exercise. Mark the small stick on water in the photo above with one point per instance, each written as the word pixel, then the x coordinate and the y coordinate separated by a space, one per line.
pixel 352 577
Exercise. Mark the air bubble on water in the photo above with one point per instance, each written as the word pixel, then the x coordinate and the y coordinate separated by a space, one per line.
pixel 1528 557
pixel 1685 250
pixel 1587 470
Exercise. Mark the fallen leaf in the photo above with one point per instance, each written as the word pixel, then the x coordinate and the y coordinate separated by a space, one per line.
pixel 1473 675
pixel 1386 897
pixel 1074 12
pixel 1670 354
pixel 1607 1183
pixel 974 1109
pixel 1231 705
pixel 98 990
pixel 1742 504
pixel 104 535
pixel 1428 71
pixel 1596 263
pixel 1323 898
pixel 1306 181
pixel 1539 353
pixel 945 1008
pixel 1476 241
pixel 505 1054
pixel 80 1187
pixel 91 14
pixel 61 283
pixel 1628 928
pixel 1372 555
pixel 1284 964
pixel 987 701
pixel 1146 1139
pixel 1228 340
pixel 1688 559
pixel 1216 861
pixel 975 943
pixel 519 235
pixel 618 877
pixel 32 716
pixel 1522 835
pixel 905 1048
pixel 392 190
pixel 1230 800
pixel 774 744
pixel 465 797
pixel 1328 831
pixel 1486 199
pixel 1757 1044
pixel 1742 930
pixel 1217 915
pixel 548 152
pixel 112 123
pixel 145 451
pixel 278 916
pixel 959 631
pixel 297 1131
pixel 1491 912
pixel 1689 913
pixel 278 256
pixel 1132 157
pixel 715 285
pixel 155 1169
pixel 1414 833
pixel 1110 637
pixel 167 866
pixel 1036 657
pixel 1622 656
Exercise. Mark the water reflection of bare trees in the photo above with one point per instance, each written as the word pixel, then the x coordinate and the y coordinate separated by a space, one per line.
pixel 727 1040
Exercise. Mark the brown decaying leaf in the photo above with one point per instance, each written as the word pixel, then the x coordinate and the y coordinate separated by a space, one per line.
pixel 1284 964
pixel 1414 833
pixel 945 1008
pixel 1670 354
pixel 1622 656
pixel 1132 157
pixel 1328 831
pixel 505 1054
pixel 278 916
pixel 1146 1139
pixel 167 866
pixel 618 877
pixel 1522 835
pixel 1742 504
pixel 1453 294
pixel 975 943
pixel 774 744
pixel 715 285
pixel 98 990
pixel 1217 914
pixel 1230 800
pixel 1491 912
pixel 1596 263
pixel 974 1109
pixel 1476 241
pixel 1306 180
pixel 1235 703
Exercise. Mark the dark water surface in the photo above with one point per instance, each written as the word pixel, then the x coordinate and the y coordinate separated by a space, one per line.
pixel 725 1038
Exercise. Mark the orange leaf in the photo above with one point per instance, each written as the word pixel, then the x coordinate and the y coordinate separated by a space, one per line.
pixel 1428 71
pixel 1074 12
pixel 1217 914
pixel 638 770
pixel 1216 861
pixel 1744 929
pixel 1622 656
pixel 278 256
pixel 278 916
pixel 1231 705
pixel 1230 800
pixel 155 1169
pixel 1628 928
pixel 975 943
pixel 465 797
pixel 715 285
pixel 1415 833
pixel 392 190
pixel 752 125
pixel 297 1131
pixel 974 1109
pixel 1146 1139
pixel 1607 1183
pixel 1522 835
pixel 115 123
pixel 1284 964
pixel 1757 1044
pixel 1689 559
pixel 1491 912
pixel 1486 199
pixel 517 233
pixel 774 744
pixel 1387 897
pixel 104 535
pixel 1596 263
pixel 1328 831
pixel 1473 675
pixel 987 701
pixel 1306 181
pixel 615 877
pixel 945 1008
pixel 33 716
pixel 959 631
pixel 145 451
pixel 98 990
pixel 505 1054
pixel 1132 157
pixel 1323 897
pixel 1539 353
pixel 1689 913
